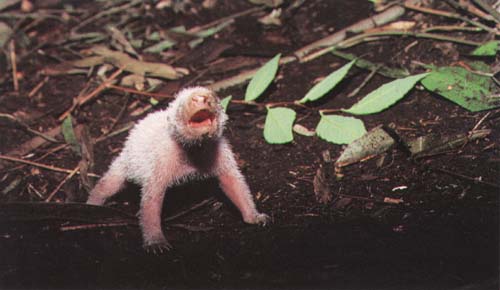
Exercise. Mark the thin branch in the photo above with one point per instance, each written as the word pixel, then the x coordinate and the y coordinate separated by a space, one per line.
pixel 363 84
pixel 449 15
pixel 136 92
pixel 37 88
pixel 84 99
pixel 489 9
pixel 111 11
pixel 194 207
pixel 27 128
pixel 68 177
pixel 44 166
pixel 374 36
pixel 472 179
pixel 224 19
pixel 387 16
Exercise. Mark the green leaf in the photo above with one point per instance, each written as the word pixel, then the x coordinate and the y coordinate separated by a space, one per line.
pixel 69 134
pixel 213 30
pixel 469 90
pixel 160 46
pixel 153 101
pixel 384 96
pixel 225 102
pixel 340 129
pixel 262 79
pixel 488 49
pixel 327 84
pixel 278 125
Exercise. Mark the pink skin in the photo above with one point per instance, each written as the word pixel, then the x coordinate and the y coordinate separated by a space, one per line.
pixel 157 159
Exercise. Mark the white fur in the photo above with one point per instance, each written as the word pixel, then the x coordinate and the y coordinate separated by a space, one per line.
pixel 160 152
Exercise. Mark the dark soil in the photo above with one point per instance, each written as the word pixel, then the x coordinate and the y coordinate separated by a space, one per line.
pixel 445 235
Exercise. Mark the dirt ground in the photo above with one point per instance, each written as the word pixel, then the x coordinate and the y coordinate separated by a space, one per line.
pixel 444 235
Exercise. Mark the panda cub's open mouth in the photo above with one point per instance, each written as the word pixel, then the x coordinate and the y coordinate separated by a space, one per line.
pixel 202 118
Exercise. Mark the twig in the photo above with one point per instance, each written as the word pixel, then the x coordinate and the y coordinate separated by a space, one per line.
pixel 474 180
pixel 84 99
pixel 377 20
pixel 136 92
pixel 362 37
pixel 363 84
pixel 108 12
pixel 124 128
pixel 115 120
pixel 13 62
pixel 489 9
pixel 68 177
pixel 452 28
pixel 449 15
pixel 194 207
pixel 44 166
pixel 374 36
pixel 94 226
pixel 224 19
pixel 38 87
pixel 328 111
pixel 480 122
pixel 27 128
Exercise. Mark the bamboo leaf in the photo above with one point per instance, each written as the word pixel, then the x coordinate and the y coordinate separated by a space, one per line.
pixel 327 84
pixel 262 79
pixel 278 125
pixel 384 96
pixel 69 134
pixel 340 129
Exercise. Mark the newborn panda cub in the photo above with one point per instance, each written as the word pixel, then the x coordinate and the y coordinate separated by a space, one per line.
pixel 171 146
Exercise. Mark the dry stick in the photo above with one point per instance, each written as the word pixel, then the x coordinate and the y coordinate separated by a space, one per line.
pixel 474 180
pixel 387 16
pixel 374 36
pixel 68 177
pixel 93 226
pixel 136 92
pixel 449 15
pixel 452 28
pixel 44 166
pixel 363 84
pixel 224 19
pixel 82 100
pixel 110 11
pixel 38 87
pixel 28 128
pixel 363 37
pixel 489 9
pixel 480 121
pixel 467 6
pixel 15 80
pixel 194 207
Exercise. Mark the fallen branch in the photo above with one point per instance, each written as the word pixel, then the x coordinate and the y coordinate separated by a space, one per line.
pixel 84 99
pixel 194 207
pixel 468 178
pixel 387 16
pixel 41 165
pixel 449 15
pixel 68 177
pixel 489 9
pixel 28 128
